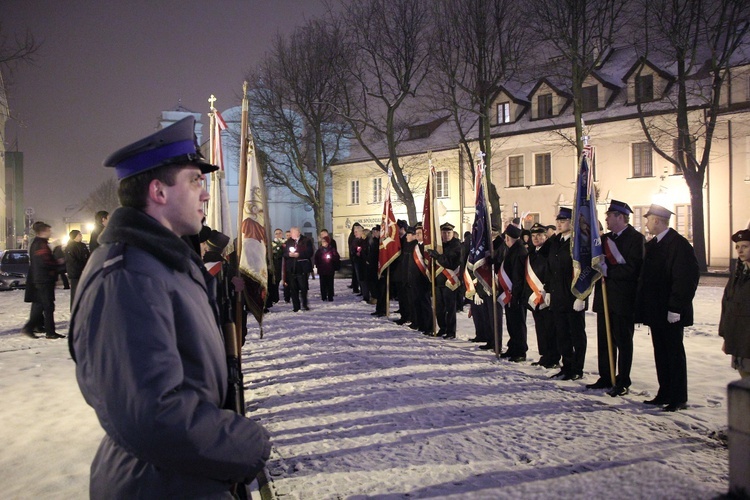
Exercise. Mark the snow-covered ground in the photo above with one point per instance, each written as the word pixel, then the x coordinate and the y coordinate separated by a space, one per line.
pixel 359 407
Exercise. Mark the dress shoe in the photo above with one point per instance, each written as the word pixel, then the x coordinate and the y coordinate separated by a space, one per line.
pixel 505 354
pixel 305 308
pixel 618 391
pixel 28 333
pixel 449 336
pixel 537 363
pixel 559 374
pixel 674 407
pixel 657 401
pixel 487 347
pixel 427 332
pixel 599 384
pixel 53 336
pixel 550 365
pixel 402 321
pixel 517 359
pixel 414 327
pixel 476 339
pixel 295 310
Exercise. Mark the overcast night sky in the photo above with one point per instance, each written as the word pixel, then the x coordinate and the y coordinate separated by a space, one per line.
pixel 106 70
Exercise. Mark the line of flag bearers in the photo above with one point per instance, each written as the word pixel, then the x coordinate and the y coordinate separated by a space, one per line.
pixel 651 283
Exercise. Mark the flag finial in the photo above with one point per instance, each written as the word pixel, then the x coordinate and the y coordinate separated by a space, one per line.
pixel 211 101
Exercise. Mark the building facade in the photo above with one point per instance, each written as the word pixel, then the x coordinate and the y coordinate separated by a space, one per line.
pixel 533 163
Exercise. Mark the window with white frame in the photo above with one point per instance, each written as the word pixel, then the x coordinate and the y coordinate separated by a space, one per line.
pixel 503 113
pixel 642 160
pixel 684 220
pixel 354 192
pixel 515 171
pixel 441 184
pixel 377 190
pixel 543 169
pixel 637 221
pixel 544 103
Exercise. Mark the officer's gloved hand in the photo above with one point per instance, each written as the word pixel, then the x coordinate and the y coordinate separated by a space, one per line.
pixel 673 317
pixel 532 301
pixel 579 305
pixel 433 253
pixel 547 299
pixel 604 269
pixel 477 299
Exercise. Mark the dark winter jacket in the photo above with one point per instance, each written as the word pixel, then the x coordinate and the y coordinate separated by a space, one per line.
pixel 302 264
pixel 622 279
pixel 327 260
pixel 43 267
pixel 734 325
pixel 513 264
pixel 151 362
pixel 669 278
pixel 559 273
pixel 450 259
pixel 538 263
pixel 76 256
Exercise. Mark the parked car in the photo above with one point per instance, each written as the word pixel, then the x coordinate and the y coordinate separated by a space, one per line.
pixel 14 267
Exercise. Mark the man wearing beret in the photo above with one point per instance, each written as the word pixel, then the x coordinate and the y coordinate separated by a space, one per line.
pixel 734 326
pixel 664 302
pixel 623 249
pixel 145 336
pixel 447 281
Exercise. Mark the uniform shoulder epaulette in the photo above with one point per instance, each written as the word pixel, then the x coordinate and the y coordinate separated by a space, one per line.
pixel 115 258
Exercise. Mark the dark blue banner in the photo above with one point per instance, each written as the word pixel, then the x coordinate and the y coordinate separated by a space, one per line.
pixel 587 248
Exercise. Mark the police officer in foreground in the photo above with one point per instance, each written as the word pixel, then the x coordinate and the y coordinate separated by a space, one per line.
pixel 146 339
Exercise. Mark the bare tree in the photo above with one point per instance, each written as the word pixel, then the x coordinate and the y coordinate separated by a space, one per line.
pixel 295 124
pixel 478 46
pixel 103 197
pixel 579 34
pixel 389 62
pixel 698 38
pixel 16 48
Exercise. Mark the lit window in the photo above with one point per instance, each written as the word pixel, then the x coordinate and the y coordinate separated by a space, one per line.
pixel 441 184
pixel 684 217
pixel 503 112
pixel 354 192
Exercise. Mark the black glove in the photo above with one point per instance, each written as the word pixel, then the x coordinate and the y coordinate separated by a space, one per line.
pixel 433 253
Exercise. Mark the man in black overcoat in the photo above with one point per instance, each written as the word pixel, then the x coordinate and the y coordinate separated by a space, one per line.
pixel 537 299
pixel 664 302
pixel 447 281
pixel 623 248
pixel 515 312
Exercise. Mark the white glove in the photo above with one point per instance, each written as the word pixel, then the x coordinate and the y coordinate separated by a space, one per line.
pixel 477 299
pixel 604 269
pixel 673 317
pixel 579 305
pixel 532 298
pixel 547 299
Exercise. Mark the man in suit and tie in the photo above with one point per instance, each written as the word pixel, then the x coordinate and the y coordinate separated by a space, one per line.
pixel 623 247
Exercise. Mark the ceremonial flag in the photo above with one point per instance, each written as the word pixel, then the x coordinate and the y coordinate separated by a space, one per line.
pixel 586 247
pixel 218 205
pixel 252 260
pixel 430 220
pixel 478 260
pixel 390 242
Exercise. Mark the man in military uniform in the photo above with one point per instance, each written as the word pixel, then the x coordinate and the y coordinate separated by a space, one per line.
pixel 537 299
pixel 623 247
pixel 664 302
pixel 420 286
pixel 511 279
pixel 568 311
pixel 145 337
pixel 447 281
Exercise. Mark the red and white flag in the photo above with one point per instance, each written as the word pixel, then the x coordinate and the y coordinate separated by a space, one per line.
pixel 252 260
pixel 218 205
pixel 390 242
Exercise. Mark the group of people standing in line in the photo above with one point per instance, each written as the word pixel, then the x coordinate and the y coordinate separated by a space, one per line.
pixel 645 282
pixel 47 263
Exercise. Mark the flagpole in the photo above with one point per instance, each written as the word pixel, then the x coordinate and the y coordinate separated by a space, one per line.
pixel 610 351
pixel 495 331
pixel 239 309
